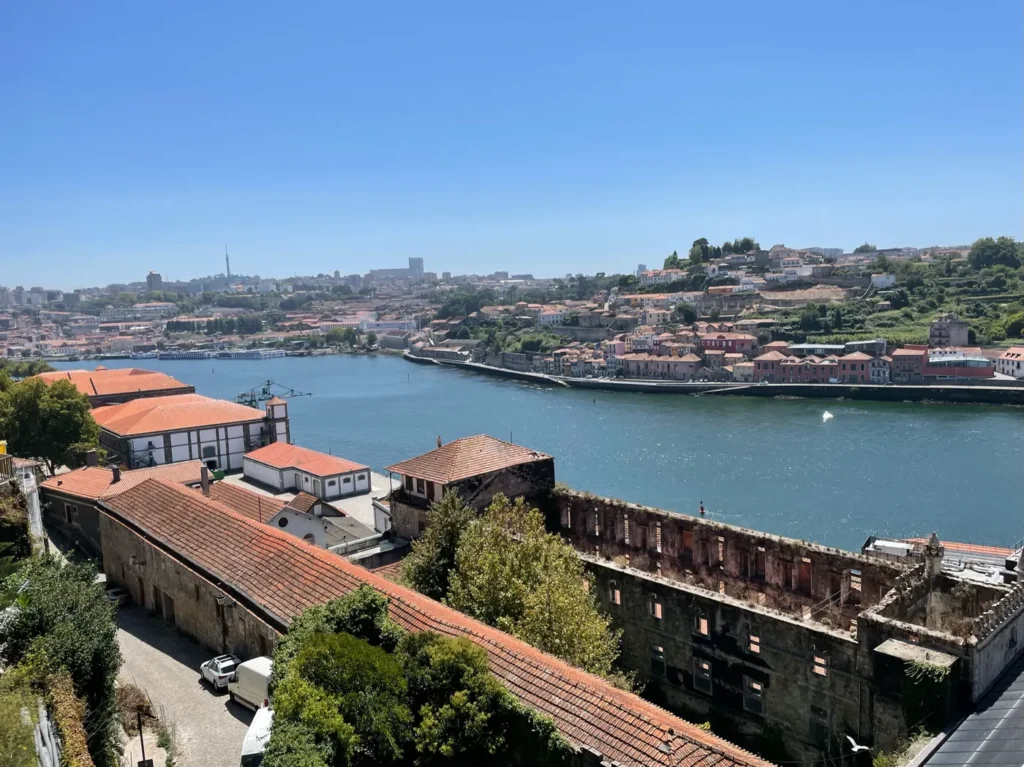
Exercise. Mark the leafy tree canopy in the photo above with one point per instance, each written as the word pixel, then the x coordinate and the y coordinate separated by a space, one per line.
pixel 991 252
pixel 48 422
pixel 511 573
pixel 865 248
pixel 432 559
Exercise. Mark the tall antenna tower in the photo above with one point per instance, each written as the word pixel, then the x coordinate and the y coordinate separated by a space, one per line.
pixel 227 261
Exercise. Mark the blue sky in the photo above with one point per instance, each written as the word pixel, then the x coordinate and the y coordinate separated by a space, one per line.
pixel 542 137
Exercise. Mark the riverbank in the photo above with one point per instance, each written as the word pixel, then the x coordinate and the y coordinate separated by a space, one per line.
pixel 974 395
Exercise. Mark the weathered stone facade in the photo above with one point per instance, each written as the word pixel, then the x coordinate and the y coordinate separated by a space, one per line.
pixel 534 481
pixel 158 581
pixel 778 642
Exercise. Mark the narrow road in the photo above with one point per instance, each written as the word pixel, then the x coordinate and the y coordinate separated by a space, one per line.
pixel 165 664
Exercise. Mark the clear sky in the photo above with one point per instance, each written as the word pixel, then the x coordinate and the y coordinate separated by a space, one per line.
pixel 544 137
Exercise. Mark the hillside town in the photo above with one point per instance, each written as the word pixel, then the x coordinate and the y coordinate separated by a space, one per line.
pixel 816 315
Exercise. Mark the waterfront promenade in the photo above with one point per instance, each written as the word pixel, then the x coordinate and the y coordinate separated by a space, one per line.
pixel 978 394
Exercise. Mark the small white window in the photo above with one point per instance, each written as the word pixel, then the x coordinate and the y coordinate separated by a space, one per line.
pixel 703 626
pixel 614 593
pixel 754 643
pixel 655 607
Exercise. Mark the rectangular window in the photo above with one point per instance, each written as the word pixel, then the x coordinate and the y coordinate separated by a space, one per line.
pixel 856 587
pixel 720 552
pixel 614 594
pixel 702 626
pixel 702 676
pixel 656 538
pixel 654 605
pixel 658 660
pixel 753 696
pixel 804 579
pixel 596 526
pixel 567 518
pixel 818 730
pixel 625 529
pixel 421 486
pixel 687 552
pixel 759 563
pixel 754 643
pixel 821 664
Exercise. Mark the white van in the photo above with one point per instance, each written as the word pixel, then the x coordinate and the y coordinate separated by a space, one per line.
pixel 256 738
pixel 249 684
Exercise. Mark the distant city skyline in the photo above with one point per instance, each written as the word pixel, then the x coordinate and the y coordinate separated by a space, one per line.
pixel 576 138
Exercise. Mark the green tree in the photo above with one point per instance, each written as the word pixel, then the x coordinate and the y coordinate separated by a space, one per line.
pixel 462 333
pixel 48 422
pixel 837 319
pixel 865 248
pixel 512 574
pixel 371 339
pixel 686 313
pixel 364 685
pixel 673 262
pixel 293 744
pixel 715 314
pixel 335 336
pixel 991 252
pixel 696 254
pixel 63 622
pixel 428 567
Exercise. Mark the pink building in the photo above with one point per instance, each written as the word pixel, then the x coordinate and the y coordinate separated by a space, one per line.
pixel 741 343
pixel 808 370
pixel 854 368
pixel 767 366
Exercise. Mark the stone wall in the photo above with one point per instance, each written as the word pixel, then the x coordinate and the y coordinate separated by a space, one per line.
pixel 999 631
pixel 162 584
pixel 812 692
pixel 796 577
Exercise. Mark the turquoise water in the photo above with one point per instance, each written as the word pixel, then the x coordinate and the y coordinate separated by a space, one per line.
pixel 774 465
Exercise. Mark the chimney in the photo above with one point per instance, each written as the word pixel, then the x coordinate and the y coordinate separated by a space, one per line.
pixel 204 478
pixel 117 473
pixel 92 458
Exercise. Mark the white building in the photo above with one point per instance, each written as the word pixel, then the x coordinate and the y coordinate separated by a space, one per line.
pixel 552 315
pixel 883 281
pixel 1011 362
pixel 660 276
pixel 285 467
pixel 184 427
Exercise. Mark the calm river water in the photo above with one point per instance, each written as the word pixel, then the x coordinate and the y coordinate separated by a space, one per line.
pixel 773 465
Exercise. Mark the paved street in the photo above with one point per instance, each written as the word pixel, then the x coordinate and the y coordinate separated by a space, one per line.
pixel 165 664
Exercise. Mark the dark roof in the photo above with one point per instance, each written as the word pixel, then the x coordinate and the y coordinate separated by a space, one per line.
pixel 467 457
pixel 280 575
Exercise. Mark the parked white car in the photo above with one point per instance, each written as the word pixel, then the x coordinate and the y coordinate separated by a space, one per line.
pixel 218 671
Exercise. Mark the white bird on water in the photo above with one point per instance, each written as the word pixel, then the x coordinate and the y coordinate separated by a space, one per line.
pixel 826 417
pixel 855 746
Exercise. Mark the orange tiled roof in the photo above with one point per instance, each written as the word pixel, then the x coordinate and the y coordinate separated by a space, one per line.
pixel 303 501
pixel 102 382
pixel 281 455
pixel 249 504
pixel 177 412
pixel 466 457
pixel 282 575
pixel 96 482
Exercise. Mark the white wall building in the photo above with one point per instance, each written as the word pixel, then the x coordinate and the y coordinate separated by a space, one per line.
pixel 184 427
pixel 883 281
pixel 283 467
pixel 1011 362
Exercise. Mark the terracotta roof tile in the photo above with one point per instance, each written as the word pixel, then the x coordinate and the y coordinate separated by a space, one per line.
pixel 102 382
pixel 286 575
pixel 281 455
pixel 466 457
pixel 252 505
pixel 96 482
pixel 302 502
pixel 152 415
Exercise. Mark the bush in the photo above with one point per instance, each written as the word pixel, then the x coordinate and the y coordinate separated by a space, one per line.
pixel 132 700
pixel 17 746
pixel 64 625
pixel 68 714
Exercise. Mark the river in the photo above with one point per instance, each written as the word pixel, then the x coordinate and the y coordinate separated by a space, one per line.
pixel 773 465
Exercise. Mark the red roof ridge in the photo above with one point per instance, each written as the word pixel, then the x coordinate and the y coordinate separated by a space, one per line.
pixel 403 599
